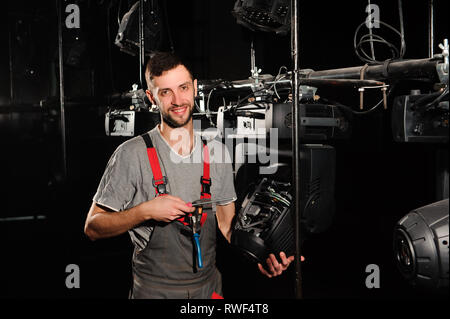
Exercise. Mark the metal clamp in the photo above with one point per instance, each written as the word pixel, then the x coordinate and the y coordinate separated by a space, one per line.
pixel 443 68
pixel 160 185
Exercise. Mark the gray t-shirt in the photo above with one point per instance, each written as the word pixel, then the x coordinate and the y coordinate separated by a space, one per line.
pixel 127 180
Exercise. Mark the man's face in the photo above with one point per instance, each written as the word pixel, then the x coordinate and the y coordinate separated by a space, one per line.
pixel 174 93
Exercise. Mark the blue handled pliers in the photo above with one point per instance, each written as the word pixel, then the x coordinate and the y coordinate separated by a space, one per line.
pixel 195 223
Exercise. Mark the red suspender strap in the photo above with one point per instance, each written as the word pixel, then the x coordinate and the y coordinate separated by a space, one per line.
pixel 154 163
pixel 205 180
pixel 159 181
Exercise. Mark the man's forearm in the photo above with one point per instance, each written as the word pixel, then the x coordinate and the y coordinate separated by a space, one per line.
pixel 103 224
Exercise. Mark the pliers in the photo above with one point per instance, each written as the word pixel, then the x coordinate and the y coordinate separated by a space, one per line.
pixel 194 221
pixel 195 224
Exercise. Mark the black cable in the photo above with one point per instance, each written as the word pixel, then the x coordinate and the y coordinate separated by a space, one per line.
pixel 367 59
pixel 369 110
pixel 436 97
pixel 437 100
pixel 373 108
pixel 424 99
pixel 396 53
pixel 375 38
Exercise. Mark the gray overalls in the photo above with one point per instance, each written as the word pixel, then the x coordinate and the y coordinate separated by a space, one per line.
pixel 166 267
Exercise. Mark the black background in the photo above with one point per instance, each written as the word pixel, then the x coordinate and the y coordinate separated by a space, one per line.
pixel 378 180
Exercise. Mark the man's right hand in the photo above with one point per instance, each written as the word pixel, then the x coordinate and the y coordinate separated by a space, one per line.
pixel 165 208
pixel 102 222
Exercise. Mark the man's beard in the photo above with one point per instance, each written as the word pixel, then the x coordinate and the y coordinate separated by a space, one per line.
pixel 174 124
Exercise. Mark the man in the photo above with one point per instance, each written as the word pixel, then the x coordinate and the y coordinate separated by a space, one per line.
pixel 129 197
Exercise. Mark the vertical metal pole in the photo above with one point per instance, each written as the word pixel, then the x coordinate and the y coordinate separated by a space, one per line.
pixel 431 28
pixel 296 143
pixel 59 4
pixel 141 43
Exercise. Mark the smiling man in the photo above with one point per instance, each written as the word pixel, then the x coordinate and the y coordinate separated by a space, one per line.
pixel 178 99
pixel 149 185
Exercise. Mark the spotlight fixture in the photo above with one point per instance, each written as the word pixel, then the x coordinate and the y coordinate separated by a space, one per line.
pixel 127 38
pixel 421 246
pixel 265 224
pixel 264 15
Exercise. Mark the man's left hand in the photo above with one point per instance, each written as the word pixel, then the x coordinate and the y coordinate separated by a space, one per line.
pixel 275 268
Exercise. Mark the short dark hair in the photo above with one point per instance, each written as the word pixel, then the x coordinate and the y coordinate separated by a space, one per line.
pixel 160 62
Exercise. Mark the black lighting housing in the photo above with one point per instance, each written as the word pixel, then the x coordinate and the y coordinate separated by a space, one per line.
pixel 264 15
pixel 127 38
pixel 421 247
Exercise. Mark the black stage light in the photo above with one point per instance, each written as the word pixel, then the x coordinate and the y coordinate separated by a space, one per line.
pixel 265 222
pixel 421 118
pixel 421 246
pixel 264 15
pixel 127 38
